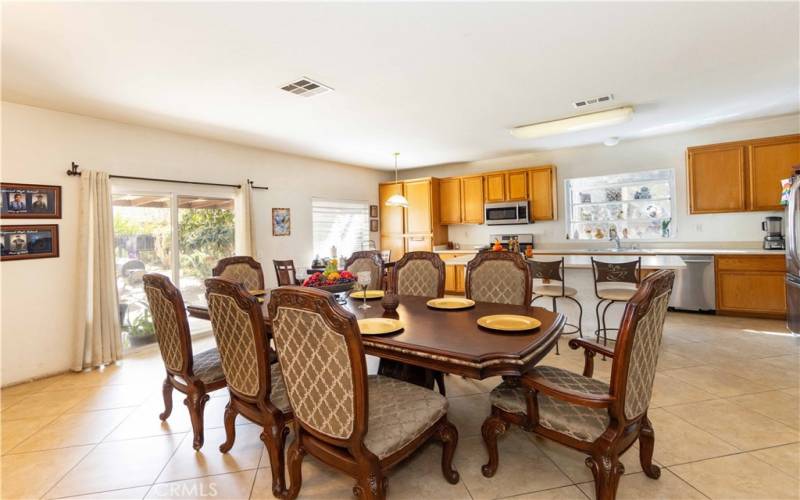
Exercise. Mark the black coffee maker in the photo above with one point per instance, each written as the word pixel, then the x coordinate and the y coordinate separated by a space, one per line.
pixel 773 226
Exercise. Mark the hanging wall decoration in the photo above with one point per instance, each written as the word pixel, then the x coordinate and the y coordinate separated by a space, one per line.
pixel 28 241
pixel 281 222
pixel 29 201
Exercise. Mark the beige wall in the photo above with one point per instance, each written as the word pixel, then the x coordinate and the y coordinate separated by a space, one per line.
pixel 667 151
pixel 38 145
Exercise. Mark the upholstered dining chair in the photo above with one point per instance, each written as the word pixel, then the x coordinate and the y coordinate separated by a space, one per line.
pixel 549 271
pixel 420 274
pixel 500 277
pixel 362 425
pixel 367 260
pixel 286 272
pixel 241 269
pixel 192 374
pixel 256 387
pixel 613 282
pixel 586 414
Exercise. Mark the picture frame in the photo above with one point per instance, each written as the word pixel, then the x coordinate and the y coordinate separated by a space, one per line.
pixel 29 201
pixel 373 225
pixel 28 241
pixel 281 222
pixel 373 211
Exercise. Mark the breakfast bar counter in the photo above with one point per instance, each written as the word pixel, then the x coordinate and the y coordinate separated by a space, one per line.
pixel 649 262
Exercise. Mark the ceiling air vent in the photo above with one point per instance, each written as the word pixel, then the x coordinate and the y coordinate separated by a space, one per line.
pixel 306 87
pixel 594 100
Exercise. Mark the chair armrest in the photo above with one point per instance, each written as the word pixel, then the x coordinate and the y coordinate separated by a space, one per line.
pixel 589 351
pixel 539 384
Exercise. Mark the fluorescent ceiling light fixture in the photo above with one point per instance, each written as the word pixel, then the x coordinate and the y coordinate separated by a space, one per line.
pixel 574 123
pixel 611 141
pixel 396 200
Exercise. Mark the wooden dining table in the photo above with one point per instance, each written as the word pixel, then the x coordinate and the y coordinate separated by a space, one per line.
pixel 451 341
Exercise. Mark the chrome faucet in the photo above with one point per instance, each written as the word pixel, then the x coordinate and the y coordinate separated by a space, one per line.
pixel 613 236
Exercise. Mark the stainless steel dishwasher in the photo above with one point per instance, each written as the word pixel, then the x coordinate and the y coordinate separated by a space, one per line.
pixel 695 289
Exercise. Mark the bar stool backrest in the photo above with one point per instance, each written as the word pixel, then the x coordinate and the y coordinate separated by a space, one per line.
pixel 617 272
pixel 548 270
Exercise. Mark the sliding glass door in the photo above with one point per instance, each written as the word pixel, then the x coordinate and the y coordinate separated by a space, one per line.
pixel 179 236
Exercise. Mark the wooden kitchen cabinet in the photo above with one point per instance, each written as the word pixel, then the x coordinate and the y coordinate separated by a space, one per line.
pixel 391 217
pixel 495 187
pixel 471 200
pixel 516 185
pixel 395 243
pixel 542 192
pixel 770 160
pixel 418 214
pixel 740 176
pixel 751 285
pixel 450 206
pixel 416 228
pixel 716 179
pixel 454 275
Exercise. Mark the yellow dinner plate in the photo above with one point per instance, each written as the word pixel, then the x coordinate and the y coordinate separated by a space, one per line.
pixel 450 303
pixel 509 322
pixel 371 294
pixel 257 292
pixel 378 326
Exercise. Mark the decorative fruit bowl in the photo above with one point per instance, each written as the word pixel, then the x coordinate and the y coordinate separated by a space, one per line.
pixel 332 282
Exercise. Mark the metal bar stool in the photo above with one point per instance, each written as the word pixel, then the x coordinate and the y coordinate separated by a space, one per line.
pixel 618 274
pixel 554 271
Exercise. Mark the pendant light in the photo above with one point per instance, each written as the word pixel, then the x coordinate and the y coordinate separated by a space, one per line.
pixel 396 200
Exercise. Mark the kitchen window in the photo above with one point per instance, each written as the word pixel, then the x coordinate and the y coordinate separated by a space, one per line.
pixel 637 205
pixel 344 224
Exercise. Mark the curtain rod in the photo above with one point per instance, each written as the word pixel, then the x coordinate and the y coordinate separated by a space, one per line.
pixel 74 171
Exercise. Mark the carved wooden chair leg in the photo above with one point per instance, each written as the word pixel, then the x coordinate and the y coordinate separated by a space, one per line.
pixel 230 428
pixel 274 438
pixel 166 391
pixel 372 484
pixel 196 402
pixel 295 459
pixel 439 378
pixel 606 469
pixel 448 435
pixel 492 428
pixel 647 439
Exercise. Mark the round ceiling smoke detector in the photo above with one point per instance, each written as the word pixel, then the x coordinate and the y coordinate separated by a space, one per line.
pixel 611 141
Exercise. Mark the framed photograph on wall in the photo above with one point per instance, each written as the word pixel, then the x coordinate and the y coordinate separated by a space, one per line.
pixel 373 225
pixel 29 201
pixel 373 211
pixel 281 222
pixel 28 241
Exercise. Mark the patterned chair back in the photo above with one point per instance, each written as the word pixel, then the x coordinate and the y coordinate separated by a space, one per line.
pixel 500 277
pixel 238 325
pixel 285 272
pixel 420 274
pixel 241 269
pixel 636 353
pixel 367 260
pixel 169 321
pixel 617 272
pixel 323 364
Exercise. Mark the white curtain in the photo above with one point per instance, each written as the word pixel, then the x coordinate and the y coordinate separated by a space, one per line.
pixel 99 341
pixel 245 237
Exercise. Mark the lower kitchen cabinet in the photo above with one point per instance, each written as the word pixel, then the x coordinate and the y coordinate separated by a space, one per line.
pixel 751 285
pixel 453 274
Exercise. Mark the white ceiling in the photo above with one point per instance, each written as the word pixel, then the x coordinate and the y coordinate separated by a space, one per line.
pixel 439 82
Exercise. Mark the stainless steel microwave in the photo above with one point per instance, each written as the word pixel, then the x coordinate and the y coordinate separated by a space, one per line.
pixel 512 212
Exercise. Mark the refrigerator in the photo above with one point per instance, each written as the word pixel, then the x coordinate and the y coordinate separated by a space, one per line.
pixel 793 255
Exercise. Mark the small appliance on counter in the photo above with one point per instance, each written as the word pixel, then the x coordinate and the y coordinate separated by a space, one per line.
pixel 773 226
pixel 508 240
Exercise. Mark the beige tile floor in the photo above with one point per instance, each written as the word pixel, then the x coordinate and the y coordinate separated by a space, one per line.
pixel 726 412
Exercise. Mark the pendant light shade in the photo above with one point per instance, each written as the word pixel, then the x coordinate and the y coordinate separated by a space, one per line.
pixel 396 200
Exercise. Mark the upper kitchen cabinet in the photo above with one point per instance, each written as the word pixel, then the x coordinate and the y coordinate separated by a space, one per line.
pixel 716 177
pixel 494 187
pixel 516 185
pixel 420 206
pixel 417 227
pixel 740 176
pixel 771 160
pixel 471 200
pixel 391 217
pixel 450 207
pixel 542 192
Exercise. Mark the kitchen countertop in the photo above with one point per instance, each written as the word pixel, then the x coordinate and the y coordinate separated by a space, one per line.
pixel 639 251
pixel 585 262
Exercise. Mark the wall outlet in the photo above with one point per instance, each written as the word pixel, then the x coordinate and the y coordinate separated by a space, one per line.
pixel 698 228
